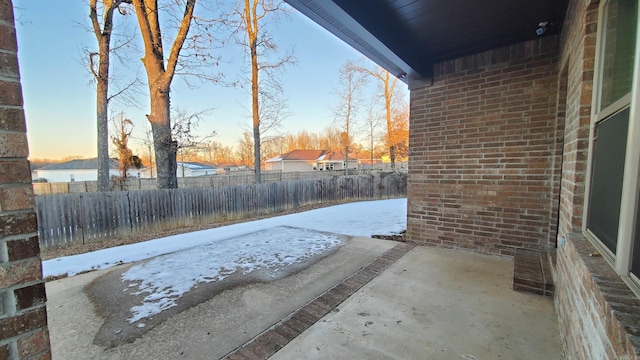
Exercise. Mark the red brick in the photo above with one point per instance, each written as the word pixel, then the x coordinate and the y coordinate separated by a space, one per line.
pixel 30 296
pixel 7 36
pixel 20 272
pixel 18 223
pixel 267 346
pixel 13 145
pixel 296 325
pixel 286 331
pixel 10 92
pixel 23 249
pixel 257 349
pixel 18 197
pixel 4 352
pixel 6 11
pixel 20 324
pixel 9 66
pixel 275 337
pixel 12 120
pixel 34 343
pixel 15 171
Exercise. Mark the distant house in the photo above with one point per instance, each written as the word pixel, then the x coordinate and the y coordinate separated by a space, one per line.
pixel 309 160
pixel 191 169
pixel 78 170
pixel 184 169
pixel 229 168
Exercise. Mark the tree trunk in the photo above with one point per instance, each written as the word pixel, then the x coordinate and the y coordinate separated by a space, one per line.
pixel 102 102
pixel 388 93
pixel 392 156
pixel 346 160
pixel 102 91
pixel 159 79
pixel 255 110
pixel 165 147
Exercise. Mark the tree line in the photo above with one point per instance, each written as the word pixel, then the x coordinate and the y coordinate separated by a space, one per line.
pixel 180 38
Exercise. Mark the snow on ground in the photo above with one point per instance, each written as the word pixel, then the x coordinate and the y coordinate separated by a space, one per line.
pixel 166 278
pixel 178 263
pixel 364 218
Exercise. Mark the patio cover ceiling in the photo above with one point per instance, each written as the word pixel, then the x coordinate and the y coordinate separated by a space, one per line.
pixel 407 37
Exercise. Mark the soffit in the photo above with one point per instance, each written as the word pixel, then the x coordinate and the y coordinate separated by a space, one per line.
pixel 408 36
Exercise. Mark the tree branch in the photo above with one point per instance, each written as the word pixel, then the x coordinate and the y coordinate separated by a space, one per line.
pixel 180 39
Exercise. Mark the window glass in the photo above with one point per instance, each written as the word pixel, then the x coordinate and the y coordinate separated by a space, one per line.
pixel 618 50
pixel 609 147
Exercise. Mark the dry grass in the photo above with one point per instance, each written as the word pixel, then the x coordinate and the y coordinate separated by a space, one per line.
pixel 135 238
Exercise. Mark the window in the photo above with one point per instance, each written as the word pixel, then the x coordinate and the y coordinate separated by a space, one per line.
pixel 609 146
pixel 612 216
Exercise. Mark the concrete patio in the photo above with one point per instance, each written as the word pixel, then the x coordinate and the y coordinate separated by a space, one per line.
pixel 400 302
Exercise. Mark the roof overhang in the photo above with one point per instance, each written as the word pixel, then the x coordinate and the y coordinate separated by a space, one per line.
pixel 407 37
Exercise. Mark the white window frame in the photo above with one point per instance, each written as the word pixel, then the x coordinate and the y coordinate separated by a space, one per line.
pixel 621 260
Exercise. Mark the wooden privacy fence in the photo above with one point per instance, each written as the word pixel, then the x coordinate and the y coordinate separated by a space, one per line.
pixel 78 218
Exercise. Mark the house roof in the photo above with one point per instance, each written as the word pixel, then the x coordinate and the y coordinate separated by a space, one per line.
pixel 407 37
pixel 333 156
pixel 310 155
pixel 79 164
pixel 196 166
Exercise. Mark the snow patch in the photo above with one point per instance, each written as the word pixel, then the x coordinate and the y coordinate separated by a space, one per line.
pixel 366 218
pixel 166 278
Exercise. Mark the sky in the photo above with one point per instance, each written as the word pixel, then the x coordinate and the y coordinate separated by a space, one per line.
pixel 171 266
pixel 59 98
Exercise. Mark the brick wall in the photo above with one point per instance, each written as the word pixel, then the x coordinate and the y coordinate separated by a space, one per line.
pixel 485 151
pixel 599 316
pixel 23 319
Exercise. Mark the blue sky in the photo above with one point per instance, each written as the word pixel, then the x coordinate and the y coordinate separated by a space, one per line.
pixel 60 99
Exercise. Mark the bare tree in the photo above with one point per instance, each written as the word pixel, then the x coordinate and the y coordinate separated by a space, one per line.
pixel 99 66
pixel 147 142
pixel 123 128
pixel 330 139
pixel 218 153
pixel 188 142
pixel 160 73
pixel 245 149
pixel 250 23
pixel 302 140
pixel 400 131
pixel 372 123
pixel 349 102
pixel 387 85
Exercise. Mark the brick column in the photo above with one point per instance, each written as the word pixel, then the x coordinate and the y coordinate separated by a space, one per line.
pixel 23 317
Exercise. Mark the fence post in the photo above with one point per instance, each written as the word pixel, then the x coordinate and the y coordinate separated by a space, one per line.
pixel 81 220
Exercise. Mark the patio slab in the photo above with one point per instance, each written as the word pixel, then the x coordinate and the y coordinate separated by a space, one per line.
pixel 435 304
pixel 372 299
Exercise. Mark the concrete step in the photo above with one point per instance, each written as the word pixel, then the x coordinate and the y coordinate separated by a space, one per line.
pixel 532 272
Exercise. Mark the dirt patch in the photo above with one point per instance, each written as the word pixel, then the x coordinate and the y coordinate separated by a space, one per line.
pixel 136 238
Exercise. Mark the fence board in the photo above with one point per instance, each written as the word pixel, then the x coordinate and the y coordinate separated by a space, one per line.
pixel 66 219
